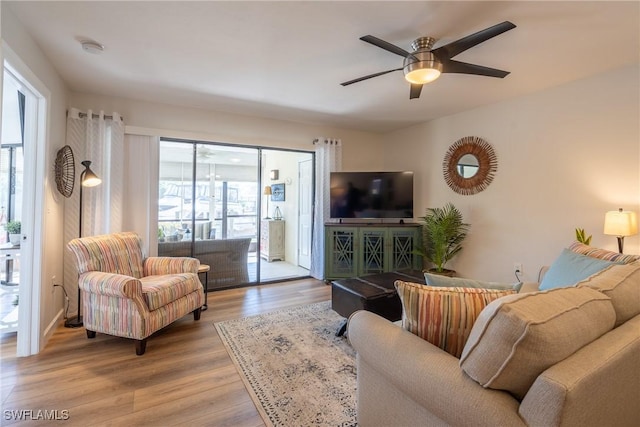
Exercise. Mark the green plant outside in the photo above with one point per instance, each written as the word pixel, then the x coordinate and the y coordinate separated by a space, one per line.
pixel 13 227
pixel 443 231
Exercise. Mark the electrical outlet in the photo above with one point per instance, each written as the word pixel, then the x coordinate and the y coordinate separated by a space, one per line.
pixel 517 267
pixel 53 283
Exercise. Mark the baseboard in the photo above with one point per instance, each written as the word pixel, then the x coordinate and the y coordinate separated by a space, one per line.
pixel 51 328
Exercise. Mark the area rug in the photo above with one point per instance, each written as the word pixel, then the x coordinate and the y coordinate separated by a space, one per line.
pixel 297 371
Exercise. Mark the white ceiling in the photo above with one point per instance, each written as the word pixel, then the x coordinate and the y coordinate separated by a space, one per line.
pixel 286 60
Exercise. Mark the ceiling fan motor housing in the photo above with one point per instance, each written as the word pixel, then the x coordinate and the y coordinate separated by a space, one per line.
pixel 421 58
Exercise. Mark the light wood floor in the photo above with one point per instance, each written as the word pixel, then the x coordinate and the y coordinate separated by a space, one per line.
pixel 185 376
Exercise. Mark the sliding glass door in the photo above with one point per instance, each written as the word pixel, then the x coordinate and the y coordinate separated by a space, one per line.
pixel 240 210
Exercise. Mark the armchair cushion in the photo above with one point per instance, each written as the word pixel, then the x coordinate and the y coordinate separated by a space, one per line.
pixel 159 291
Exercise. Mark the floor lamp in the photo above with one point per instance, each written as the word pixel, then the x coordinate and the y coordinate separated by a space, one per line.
pixel 267 192
pixel 87 179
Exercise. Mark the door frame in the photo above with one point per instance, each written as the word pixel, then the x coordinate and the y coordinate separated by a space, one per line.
pixel 311 161
pixel 33 230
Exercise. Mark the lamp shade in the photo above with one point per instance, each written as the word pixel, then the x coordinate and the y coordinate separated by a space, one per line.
pixel 620 223
pixel 267 190
pixel 88 178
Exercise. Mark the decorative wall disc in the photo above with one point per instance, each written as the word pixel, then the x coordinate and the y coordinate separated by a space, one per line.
pixel 469 165
pixel 65 168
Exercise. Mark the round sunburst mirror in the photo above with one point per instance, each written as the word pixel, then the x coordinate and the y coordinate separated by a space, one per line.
pixel 469 165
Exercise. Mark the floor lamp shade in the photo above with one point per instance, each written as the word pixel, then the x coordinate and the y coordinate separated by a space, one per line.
pixel 267 192
pixel 87 179
pixel 620 224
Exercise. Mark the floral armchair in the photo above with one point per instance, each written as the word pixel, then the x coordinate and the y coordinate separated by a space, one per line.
pixel 127 295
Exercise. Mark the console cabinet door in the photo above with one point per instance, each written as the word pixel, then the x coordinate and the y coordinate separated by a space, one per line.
pixel 372 250
pixel 340 252
pixel 402 243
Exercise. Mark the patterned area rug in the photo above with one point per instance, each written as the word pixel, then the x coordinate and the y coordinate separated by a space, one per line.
pixel 295 368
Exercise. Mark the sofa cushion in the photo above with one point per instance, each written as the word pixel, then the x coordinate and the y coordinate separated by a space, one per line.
pixel 622 284
pixel 570 268
pixel 519 336
pixel 159 291
pixel 459 282
pixel 443 316
pixel 590 251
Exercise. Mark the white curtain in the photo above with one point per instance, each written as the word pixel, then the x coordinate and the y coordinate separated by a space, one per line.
pixel 141 191
pixel 328 159
pixel 99 139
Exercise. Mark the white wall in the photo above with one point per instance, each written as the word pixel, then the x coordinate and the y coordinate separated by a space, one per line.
pixel 360 149
pixel 30 54
pixel 565 157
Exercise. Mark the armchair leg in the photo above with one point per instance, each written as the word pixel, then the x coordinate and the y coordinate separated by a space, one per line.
pixel 141 346
pixel 196 313
pixel 91 334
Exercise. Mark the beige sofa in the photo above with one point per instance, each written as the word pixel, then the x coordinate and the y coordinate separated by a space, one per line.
pixel 404 380
pixel 227 259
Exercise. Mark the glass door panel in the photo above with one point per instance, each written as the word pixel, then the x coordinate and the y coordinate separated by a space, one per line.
pixel 175 198
pixel 285 238
pixel 11 192
pixel 207 209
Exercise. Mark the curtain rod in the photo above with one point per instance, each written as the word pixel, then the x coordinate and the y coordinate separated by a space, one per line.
pixel 95 116
pixel 326 141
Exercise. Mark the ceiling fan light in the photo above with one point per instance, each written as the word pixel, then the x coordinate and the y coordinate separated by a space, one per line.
pixel 422 75
pixel 425 70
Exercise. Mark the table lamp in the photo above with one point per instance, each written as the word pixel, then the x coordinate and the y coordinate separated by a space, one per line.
pixel 620 224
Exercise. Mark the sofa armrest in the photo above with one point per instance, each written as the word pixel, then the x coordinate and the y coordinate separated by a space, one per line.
pixel 156 266
pixel 427 375
pixel 529 287
pixel 109 284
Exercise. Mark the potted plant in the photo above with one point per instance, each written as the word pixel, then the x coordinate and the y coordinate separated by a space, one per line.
pixel 442 234
pixel 13 228
pixel 581 236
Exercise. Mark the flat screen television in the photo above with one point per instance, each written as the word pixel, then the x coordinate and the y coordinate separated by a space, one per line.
pixel 371 195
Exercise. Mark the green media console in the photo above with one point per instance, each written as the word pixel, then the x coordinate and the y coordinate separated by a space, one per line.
pixel 353 250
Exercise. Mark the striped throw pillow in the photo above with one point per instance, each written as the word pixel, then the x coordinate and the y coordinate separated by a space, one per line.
pixel 443 316
pixel 590 251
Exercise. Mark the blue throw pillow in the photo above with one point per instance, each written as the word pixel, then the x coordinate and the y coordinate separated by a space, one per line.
pixel 570 268
pixel 458 282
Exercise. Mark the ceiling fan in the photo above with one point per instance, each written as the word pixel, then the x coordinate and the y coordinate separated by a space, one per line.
pixel 425 64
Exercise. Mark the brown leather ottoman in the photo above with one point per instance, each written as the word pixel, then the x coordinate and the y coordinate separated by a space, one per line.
pixel 375 293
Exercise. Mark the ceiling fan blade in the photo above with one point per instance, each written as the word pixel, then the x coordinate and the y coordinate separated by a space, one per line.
pixel 454 48
pixel 385 45
pixel 465 68
pixel 415 91
pixel 370 76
